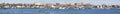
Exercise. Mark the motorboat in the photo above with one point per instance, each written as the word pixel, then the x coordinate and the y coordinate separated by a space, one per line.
pixel 61 7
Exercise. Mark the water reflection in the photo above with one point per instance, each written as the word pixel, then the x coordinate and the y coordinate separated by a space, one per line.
pixel 59 11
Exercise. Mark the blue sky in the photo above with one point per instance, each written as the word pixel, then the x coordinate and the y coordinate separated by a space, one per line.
pixel 63 1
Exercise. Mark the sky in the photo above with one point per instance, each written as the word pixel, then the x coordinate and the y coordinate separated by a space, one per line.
pixel 63 1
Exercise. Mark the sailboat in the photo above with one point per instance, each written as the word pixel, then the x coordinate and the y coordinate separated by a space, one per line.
pixel 61 7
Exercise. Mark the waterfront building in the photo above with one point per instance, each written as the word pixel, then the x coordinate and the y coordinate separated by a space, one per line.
pixel 88 5
pixel 57 5
pixel 5 6
pixel 115 6
pixel 104 6
pixel 20 6
pixel 79 5
pixel 47 5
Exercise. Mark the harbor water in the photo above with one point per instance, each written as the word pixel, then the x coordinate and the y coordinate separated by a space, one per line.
pixel 58 11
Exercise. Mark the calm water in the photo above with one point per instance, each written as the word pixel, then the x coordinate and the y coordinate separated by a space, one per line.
pixel 59 11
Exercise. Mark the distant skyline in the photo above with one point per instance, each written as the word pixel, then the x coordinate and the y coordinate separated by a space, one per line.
pixel 64 1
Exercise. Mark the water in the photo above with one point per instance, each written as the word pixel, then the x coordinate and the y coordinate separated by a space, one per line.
pixel 59 11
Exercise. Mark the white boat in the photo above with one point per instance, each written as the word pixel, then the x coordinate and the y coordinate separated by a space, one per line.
pixel 37 6
pixel 20 6
pixel 53 6
pixel 61 7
